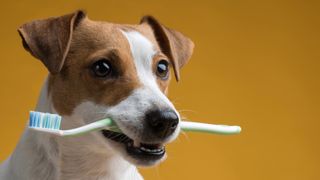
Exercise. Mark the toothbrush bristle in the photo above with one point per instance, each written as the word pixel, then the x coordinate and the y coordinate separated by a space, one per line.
pixel 44 120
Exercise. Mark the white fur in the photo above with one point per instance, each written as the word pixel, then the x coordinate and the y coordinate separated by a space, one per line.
pixel 40 156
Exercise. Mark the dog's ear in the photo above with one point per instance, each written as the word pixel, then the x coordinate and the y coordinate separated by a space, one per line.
pixel 175 45
pixel 49 40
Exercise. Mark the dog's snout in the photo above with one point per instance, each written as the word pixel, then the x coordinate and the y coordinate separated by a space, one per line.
pixel 162 123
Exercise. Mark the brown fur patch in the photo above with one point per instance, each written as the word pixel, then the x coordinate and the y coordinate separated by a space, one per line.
pixel 76 83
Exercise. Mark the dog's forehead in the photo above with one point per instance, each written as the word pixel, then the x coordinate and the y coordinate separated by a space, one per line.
pixel 98 34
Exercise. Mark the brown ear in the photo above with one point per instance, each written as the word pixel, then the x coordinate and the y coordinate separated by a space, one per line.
pixel 174 44
pixel 49 40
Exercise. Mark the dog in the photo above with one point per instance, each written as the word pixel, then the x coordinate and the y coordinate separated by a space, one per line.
pixel 97 70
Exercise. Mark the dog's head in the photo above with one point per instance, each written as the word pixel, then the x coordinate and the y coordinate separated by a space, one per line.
pixel 100 69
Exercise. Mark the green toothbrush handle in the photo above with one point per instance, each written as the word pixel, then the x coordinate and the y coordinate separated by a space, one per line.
pixel 185 126
pixel 209 128
pixel 89 127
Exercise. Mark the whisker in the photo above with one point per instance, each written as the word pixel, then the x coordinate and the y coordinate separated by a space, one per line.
pixel 185 135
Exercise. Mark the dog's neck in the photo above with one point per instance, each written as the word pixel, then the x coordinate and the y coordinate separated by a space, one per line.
pixel 43 156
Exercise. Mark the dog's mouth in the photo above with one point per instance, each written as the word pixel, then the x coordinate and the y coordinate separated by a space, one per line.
pixel 139 151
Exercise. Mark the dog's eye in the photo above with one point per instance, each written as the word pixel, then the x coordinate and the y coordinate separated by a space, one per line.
pixel 101 68
pixel 163 69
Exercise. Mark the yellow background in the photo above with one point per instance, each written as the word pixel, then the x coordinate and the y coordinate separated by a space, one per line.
pixel 256 64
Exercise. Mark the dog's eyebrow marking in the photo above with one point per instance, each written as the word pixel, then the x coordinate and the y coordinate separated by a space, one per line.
pixel 142 51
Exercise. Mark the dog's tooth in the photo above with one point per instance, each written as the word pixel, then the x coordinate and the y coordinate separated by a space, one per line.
pixel 151 150
pixel 154 150
pixel 158 150
pixel 144 149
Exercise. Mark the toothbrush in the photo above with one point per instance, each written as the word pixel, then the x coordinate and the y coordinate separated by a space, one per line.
pixel 50 123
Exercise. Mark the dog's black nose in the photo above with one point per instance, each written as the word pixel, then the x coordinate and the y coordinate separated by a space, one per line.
pixel 162 123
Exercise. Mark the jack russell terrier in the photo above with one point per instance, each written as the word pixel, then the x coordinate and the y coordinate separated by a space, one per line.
pixel 98 70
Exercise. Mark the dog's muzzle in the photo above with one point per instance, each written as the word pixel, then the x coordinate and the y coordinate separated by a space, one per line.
pixel 158 126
